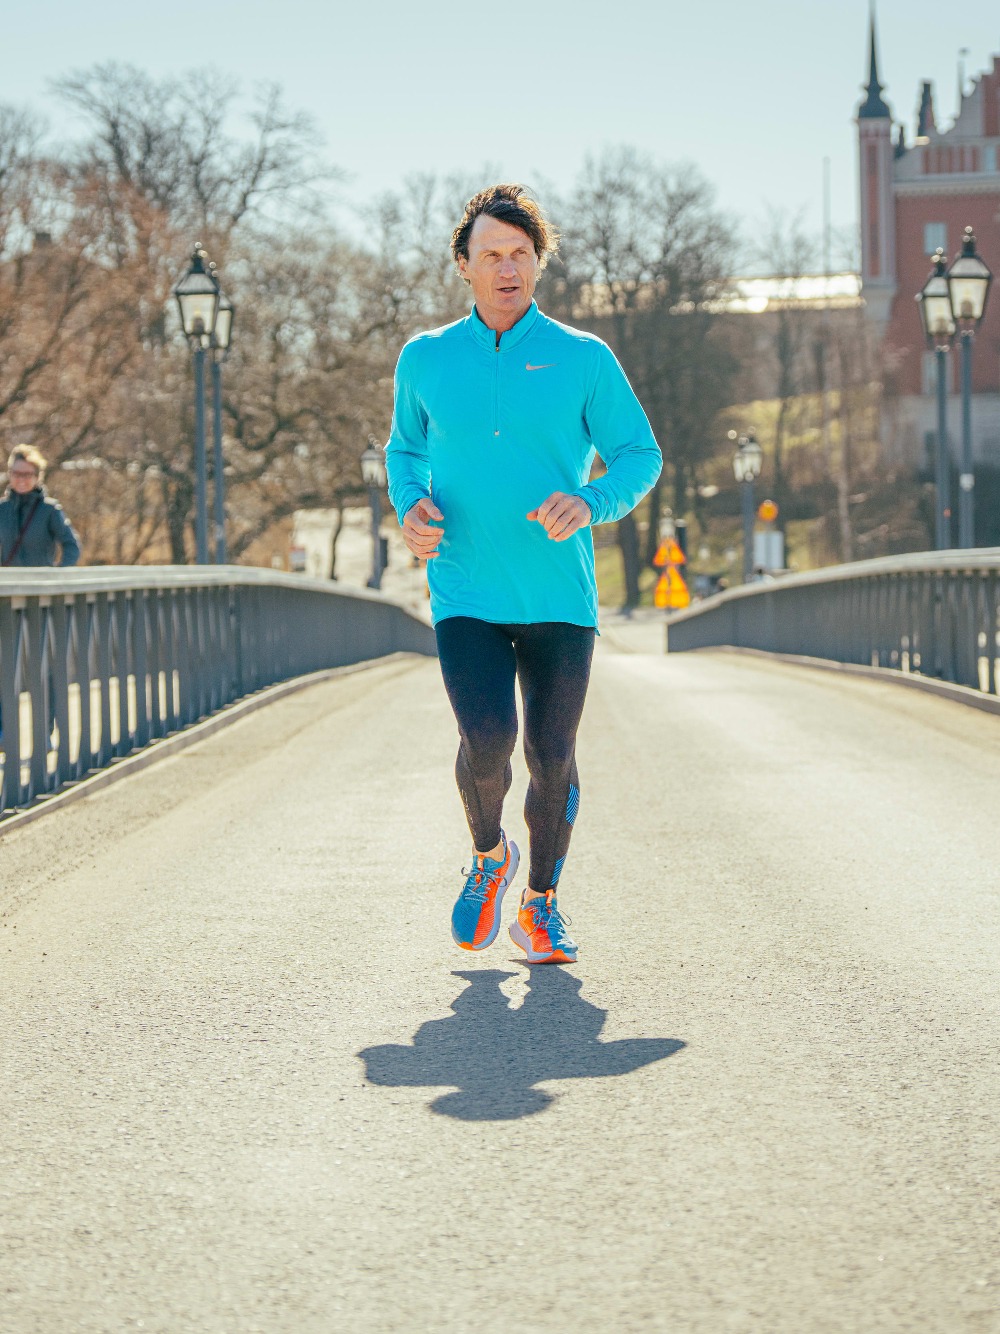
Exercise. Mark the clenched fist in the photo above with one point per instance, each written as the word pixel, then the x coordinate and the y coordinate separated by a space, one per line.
pixel 561 515
pixel 418 533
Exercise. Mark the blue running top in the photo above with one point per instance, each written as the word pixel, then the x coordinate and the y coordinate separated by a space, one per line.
pixel 489 432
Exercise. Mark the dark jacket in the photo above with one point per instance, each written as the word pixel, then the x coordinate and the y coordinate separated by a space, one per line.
pixel 48 530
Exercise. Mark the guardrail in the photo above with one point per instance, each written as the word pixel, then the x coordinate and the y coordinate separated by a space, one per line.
pixel 97 663
pixel 933 613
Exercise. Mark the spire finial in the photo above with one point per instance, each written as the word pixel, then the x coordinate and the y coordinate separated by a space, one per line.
pixel 873 108
pixel 873 81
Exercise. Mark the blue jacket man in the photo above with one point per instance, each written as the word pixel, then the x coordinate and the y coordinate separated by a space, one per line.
pixel 490 429
pixel 496 423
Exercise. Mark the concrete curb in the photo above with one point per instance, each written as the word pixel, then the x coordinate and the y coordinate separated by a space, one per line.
pixel 976 699
pixel 163 747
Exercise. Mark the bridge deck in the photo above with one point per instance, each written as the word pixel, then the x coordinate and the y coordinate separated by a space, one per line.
pixel 248 1084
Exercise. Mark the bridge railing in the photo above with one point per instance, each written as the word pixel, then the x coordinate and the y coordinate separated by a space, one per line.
pixel 97 663
pixel 932 613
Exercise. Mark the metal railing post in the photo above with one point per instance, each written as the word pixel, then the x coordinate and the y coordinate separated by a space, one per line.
pixel 10 705
pixel 37 686
pixel 141 655
pixel 121 615
pixel 60 683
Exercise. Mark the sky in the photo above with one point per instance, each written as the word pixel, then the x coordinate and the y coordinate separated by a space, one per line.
pixel 755 94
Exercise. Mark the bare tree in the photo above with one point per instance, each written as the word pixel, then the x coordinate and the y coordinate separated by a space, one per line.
pixel 22 168
pixel 788 254
pixel 93 371
pixel 312 378
pixel 645 261
pixel 166 142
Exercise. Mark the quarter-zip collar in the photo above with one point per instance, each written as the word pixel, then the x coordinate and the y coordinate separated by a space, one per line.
pixel 511 337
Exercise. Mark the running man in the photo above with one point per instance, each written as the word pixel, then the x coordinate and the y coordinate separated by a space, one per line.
pixel 497 420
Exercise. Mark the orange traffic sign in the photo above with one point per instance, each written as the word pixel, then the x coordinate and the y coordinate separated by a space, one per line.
pixel 669 553
pixel 671 591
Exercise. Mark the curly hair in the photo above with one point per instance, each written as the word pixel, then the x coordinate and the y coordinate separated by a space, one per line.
pixel 511 204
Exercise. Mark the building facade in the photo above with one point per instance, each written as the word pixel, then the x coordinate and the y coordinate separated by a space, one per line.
pixel 915 196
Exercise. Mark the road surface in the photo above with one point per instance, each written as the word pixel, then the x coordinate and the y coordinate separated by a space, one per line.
pixel 248 1083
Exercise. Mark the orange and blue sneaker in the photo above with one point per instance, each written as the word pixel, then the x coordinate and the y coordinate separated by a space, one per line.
pixel 475 918
pixel 540 930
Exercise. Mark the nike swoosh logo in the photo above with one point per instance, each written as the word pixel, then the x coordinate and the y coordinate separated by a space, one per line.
pixel 547 367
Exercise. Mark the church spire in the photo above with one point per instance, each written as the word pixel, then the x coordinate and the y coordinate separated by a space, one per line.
pixel 873 108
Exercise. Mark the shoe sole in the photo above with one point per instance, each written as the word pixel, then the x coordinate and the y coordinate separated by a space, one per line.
pixel 523 942
pixel 502 888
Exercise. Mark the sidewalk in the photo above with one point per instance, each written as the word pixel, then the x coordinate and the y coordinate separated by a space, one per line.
pixel 642 632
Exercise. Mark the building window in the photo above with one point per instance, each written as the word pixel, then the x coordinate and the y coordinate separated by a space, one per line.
pixel 935 237
pixel 990 158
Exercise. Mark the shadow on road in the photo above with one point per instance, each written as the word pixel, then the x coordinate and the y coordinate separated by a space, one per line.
pixel 494 1056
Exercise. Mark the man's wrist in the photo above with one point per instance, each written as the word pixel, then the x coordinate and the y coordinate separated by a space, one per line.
pixel 585 495
pixel 412 498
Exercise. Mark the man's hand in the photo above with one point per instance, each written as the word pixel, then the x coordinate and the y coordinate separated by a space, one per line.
pixel 418 534
pixel 562 515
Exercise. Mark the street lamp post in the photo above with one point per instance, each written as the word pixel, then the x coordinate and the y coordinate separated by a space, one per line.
pixel 197 296
pixel 373 473
pixel 747 463
pixel 939 328
pixel 968 286
pixel 220 345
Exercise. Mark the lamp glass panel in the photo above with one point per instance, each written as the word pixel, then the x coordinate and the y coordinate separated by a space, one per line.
pixel 753 459
pixel 968 283
pixel 373 468
pixel 968 295
pixel 935 308
pixel 197 311
pixel 223 325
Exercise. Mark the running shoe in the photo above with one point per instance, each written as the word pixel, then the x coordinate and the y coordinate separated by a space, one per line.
pixel 540 930
pixel 475 918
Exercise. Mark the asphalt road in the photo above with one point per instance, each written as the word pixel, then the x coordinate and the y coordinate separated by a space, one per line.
pixel 249 1084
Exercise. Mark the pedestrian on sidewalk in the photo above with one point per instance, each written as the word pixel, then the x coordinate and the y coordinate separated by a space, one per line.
pixel 33 526
pixel 496 424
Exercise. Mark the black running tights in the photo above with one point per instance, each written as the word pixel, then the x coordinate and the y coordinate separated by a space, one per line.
pixel 551 662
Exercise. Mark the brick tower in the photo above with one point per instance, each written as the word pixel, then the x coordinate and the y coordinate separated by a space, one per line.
pixel 877 197
pixel 913 198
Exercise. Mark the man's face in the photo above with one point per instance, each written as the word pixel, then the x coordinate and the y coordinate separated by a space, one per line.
pixel 23 477
pixel 502 270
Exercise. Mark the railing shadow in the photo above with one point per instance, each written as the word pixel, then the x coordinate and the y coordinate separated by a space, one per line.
pixel 493 1056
